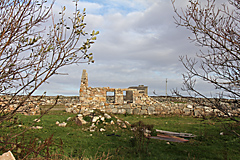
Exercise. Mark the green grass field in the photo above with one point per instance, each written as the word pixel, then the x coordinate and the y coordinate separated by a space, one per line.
pixel 72 142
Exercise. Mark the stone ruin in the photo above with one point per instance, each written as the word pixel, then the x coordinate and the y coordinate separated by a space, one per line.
pixel 135 100
pixel 115 100
pixel 104 96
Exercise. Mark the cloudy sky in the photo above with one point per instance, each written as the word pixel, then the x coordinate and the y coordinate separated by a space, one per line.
pixel 138 44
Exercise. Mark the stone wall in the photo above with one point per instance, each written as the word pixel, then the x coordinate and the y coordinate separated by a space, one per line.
pixel 137 102
pixel 31 105
pixel 148 106
pixel 123 101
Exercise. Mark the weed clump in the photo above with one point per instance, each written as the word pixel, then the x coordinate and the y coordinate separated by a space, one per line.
pixel 141 134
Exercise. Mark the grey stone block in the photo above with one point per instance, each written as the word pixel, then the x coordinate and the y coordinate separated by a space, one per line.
pixel 144 107
pixel 143 112
pixel 136 111
pixel 114 110
pixel 129 111
pixel 151 110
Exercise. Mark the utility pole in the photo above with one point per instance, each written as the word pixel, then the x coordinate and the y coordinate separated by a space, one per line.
pixel 166 86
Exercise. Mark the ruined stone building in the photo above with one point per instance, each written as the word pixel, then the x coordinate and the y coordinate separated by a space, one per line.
pixel 134 100
pixel 102 96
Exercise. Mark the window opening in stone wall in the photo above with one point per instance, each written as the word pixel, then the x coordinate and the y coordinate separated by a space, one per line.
pixel 125 96
pixel 129 96
pixel 110 97
pixel 141 91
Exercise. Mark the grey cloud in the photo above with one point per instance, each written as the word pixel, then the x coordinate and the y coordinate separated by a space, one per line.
pixel 132 49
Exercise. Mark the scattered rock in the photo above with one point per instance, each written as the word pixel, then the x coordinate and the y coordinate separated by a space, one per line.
pixel 78 121
pixel 36 127
pixel 36 120
pixel 102 130
pixel 69 110
pixel 119 121
pixel 112 122
pixel 39 127
pixel 62 124
pixel 107 116
pixel 95 119
pixel 92 129
pixel 102 118
pixel 123 125
pixel 126 122
pixel 189 106
pixel 7 156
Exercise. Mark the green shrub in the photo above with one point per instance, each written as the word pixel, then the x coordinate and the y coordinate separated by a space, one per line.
pixel 87 118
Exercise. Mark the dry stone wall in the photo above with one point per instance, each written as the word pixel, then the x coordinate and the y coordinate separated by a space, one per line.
pixel 148 106
pixel 123 101
pixel 137 102
pixel 32 104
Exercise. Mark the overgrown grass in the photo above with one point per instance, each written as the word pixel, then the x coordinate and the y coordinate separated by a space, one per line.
pixel 77 143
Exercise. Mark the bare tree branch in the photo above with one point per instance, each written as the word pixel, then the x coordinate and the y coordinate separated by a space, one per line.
pixel 217 29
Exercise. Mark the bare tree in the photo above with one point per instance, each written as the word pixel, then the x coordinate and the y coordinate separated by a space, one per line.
pixel 31 52
pixel 216 28
pixel 28 55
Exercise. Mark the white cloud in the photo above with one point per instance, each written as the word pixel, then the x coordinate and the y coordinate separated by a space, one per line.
pixel 138 44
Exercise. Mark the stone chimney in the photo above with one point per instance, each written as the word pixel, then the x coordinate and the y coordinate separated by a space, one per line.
pixel 84 79
pixel 84 83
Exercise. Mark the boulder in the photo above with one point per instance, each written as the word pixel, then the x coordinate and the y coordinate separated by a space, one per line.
pixel 112 122
pixel 7 156
pixel 186 111
pixel 62 124
pixel 143 112
pixel 102 130
pixel 129 111
pixel 151 110
pixel 121 111
pixel 95 118
pixel 114 110
pixel 197 113
pixel 189 106
pixel 107 116
pixel 75 111
pixel 102 118
pixel 124 125
pixel 69 110
pixel 136 111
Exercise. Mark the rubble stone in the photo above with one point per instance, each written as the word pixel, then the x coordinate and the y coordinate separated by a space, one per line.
pixel 7 156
